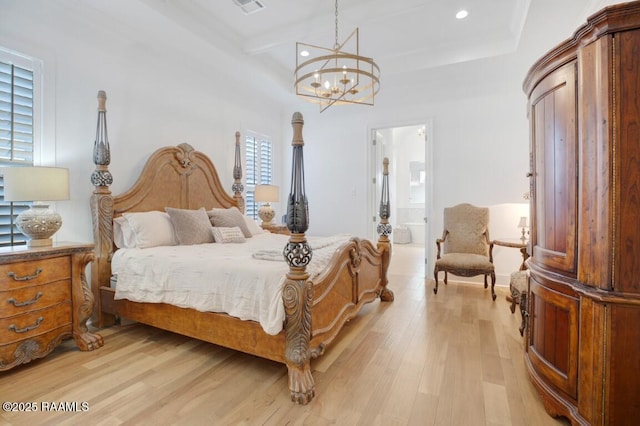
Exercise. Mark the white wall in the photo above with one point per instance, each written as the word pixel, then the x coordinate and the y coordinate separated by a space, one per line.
pixel 157 95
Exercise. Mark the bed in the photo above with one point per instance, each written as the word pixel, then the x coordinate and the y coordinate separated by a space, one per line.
pixel 316 304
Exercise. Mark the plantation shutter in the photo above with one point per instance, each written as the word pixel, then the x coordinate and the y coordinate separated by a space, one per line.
pixel 259 170
pixel 16 140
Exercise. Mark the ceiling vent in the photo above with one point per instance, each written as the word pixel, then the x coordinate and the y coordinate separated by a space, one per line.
pixel 250 6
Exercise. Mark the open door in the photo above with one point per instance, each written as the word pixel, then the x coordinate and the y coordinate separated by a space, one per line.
pixel 409 149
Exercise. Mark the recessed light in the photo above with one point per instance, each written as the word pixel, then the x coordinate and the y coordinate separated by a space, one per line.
pixel 462 14
pixel 304 53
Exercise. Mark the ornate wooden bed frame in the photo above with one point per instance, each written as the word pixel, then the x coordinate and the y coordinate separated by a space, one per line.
pixel 315 309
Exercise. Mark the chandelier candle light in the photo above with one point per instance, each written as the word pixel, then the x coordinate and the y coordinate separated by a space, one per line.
pixel 336 76
pixel 37 184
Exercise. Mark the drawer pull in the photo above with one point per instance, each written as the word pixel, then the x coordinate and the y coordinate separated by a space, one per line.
pixel 26 277
pixel 26 302
pixel 13 327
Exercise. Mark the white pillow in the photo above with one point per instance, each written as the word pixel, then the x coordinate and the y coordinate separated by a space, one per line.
pixel 151 229
pixel 123 235
pixel 228 235
pixel 253 226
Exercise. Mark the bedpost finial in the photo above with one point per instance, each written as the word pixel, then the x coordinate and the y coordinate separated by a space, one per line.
pixel 237 138
pixel 297 118
pixel 296 122
pixel 385 165
pixel 102 101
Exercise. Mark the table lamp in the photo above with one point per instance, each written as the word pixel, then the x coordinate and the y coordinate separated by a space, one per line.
pixel 523 223
pixel 266 194
pixel 37 184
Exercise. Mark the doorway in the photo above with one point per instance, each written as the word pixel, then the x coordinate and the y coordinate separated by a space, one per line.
pixel 409 149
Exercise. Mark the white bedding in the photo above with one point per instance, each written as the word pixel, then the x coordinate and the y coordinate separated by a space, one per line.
pixel 217 277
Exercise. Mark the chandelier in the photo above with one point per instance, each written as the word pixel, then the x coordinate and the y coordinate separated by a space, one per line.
pixel 336 76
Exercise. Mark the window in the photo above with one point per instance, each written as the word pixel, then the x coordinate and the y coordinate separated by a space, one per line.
pixel 259 167
pixel 16 135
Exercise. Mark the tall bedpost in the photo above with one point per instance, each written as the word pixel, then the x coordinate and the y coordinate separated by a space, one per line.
pixel 101 212
pixel 384 230
pixel 297 292
pixel 237 186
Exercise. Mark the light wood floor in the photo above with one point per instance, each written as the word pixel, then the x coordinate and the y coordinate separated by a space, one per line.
pixel 451 359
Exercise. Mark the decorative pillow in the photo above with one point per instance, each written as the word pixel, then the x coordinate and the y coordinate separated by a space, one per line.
pixel 191 226
pixel 228 218
pixel 151 229
pixel 253 226
pixel 228 235
pixel 123 235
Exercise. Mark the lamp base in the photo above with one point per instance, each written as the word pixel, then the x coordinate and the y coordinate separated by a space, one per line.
pixel 40 242
pixel 38 224
pixel 266 214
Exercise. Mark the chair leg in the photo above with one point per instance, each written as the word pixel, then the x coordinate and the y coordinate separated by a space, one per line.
pixel 515 297
pixel 485 281
pixel 435 274
pixel 523 312
pixel 493 285
pixel 446 277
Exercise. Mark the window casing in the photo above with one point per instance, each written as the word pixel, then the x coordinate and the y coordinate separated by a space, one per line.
pixel 18 108
pixel 259 169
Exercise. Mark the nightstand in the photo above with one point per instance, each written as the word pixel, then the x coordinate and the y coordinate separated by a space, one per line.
pixel 44 298
pixel 276 229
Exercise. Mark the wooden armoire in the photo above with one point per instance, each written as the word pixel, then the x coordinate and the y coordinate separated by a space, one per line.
pixel 583 335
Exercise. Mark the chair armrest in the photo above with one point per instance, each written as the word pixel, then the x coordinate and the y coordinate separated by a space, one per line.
pixel 441 241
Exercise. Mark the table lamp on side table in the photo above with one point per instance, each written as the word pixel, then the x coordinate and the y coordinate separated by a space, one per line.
pixel 266 194
pixel 37 184
pixel 523 223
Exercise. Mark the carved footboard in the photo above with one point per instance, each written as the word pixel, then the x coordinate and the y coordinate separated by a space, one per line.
pixel 317 310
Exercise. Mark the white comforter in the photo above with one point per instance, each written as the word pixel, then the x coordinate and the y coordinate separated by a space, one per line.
pixel 230 278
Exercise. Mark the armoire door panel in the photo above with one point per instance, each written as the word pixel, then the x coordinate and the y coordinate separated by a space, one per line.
pixel 628 156
pixel 554 132
pixel 595 225
pixel 553 339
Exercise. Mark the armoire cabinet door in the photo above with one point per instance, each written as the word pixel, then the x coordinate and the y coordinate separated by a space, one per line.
pixel 553 336
pixel 553 135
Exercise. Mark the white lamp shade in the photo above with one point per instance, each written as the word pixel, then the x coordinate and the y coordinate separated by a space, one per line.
pixel 267 193
pixel 35 183
pixel 524 222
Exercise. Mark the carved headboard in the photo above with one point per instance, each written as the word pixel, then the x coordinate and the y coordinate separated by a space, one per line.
pixel 175 176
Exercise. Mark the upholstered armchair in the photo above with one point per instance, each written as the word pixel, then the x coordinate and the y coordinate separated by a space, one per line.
pixel 465 248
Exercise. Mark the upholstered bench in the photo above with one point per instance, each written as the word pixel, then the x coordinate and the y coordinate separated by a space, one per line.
pixel 519 286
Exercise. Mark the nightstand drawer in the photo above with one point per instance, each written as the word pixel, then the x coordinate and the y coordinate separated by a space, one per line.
pixel 34 323
pixel 28 273
pixel 23 351
pixel 26 299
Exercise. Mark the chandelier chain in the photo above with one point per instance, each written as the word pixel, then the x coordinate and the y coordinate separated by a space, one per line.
pixel 336 45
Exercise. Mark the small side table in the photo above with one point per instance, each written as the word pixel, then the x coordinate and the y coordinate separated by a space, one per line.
pixel 519 244
pixel 276 229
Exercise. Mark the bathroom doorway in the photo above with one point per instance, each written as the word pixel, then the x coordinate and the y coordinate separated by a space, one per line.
pixel 409 149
